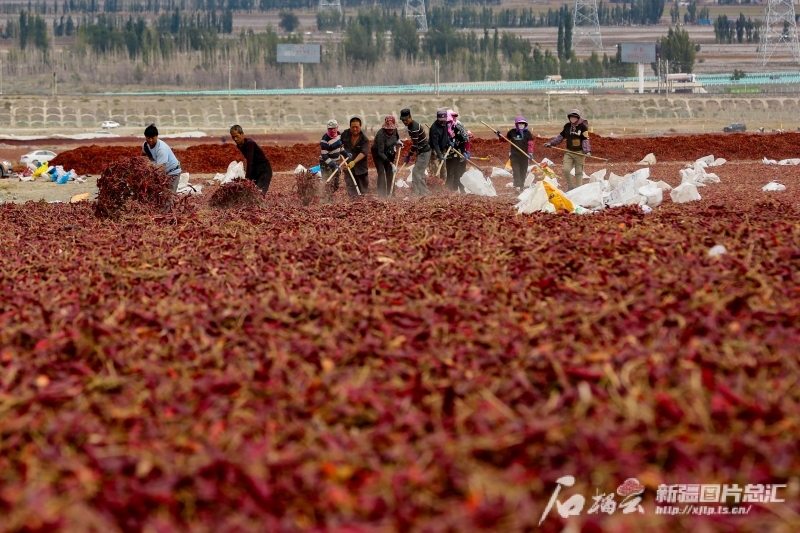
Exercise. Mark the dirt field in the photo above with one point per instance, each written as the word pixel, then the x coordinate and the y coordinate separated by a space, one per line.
pixel 297 117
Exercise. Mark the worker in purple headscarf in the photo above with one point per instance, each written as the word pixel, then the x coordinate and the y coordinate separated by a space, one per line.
pixel 521 137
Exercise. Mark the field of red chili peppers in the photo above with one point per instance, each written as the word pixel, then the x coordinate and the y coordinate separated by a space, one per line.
pixel 391 366
pixel 212 158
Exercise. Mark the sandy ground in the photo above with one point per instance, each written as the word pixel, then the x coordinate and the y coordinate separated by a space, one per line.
pixel 13 190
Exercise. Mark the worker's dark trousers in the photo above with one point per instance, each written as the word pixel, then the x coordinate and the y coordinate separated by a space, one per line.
pixel 455 169
pixel 361 179
pixel 385 175
pixel 263 176
pixel 519 167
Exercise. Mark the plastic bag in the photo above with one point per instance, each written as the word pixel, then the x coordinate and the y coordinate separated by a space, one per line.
pixel 597 176
pixel 649 159
pixel 41 170
pixel 685 192
pixel 773 186
pixel 717 250
pixel 533 200
pixel 589 195
pixel 624 193
pixel 664 186
pixel 687 175
pixel 185 187
pixel 653 195
pixel 542 171
pixel 501 173
pixel 474 183
pixel 701 176
pixel 614 181
pixel 235 170
pixel 558 199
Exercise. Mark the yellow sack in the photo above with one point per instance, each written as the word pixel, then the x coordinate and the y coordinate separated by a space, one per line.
pixel 558 199
pixel 41 170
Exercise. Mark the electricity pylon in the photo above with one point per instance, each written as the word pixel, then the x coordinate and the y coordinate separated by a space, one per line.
pixel 779 28
pixel 586 23
pixel 416 9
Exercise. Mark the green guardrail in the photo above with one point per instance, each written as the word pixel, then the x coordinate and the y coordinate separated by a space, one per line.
pixel 708 80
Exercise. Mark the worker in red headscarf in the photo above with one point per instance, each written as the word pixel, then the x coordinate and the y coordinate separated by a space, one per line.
pixel 384 154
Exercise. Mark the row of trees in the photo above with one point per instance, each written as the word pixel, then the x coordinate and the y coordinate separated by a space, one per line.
pixel 626 12
pixel 486 56
pixel 54 7
pixel 692 14
pixel 740 30
pixel 30 29
pixel 634 12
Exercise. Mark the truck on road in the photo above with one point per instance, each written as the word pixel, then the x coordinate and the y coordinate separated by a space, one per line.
pixel 681 78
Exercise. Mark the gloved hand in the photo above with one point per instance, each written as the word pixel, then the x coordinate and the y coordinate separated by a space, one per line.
pixel 348 155
pixel 351 164
pixel 586 152
pixel 406 159
pixel 451 144
pixel 548 145
pixel 467 155
pixel 499 135
pixel 530 156
pixel 394 169
pixel 399 143
pixel 332 165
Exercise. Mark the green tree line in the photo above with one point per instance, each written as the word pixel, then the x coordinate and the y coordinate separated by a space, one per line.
pixel 740 30
pixel 484 57
pixel 465 16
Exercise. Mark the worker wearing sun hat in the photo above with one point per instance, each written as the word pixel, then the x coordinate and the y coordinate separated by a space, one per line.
pixel 576 133
pixel 330 148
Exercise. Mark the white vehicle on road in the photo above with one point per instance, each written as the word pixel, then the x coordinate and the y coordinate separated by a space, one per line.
pixel 109 124
pixel 38 155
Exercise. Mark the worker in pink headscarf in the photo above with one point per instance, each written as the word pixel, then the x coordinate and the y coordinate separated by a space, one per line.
pixel 384 154
pixel 457 166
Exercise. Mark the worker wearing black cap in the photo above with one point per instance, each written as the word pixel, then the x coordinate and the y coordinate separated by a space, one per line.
pixel 419 146
pixel 440 141
pixel 161 155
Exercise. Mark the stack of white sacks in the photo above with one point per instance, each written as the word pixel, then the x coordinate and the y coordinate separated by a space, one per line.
pixel 635 188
